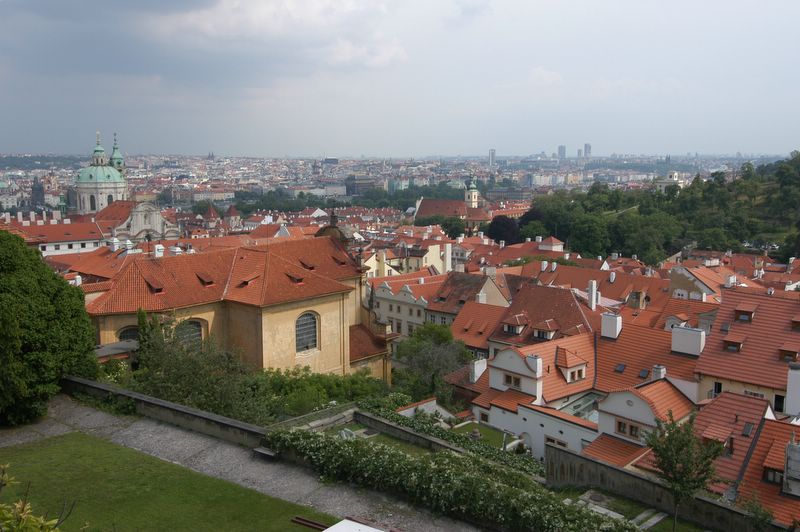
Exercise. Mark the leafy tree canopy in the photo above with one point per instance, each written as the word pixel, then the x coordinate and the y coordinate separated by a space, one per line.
pixel 45 332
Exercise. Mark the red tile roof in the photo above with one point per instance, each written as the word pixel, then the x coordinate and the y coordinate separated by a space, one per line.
pixel 457 289
pixel 441 207
pixel 770 452
pixel 614 451
pixel 61 232
pixel 690 308
pixel 363 344
pixel 663 398
pixel 475 323
pixel 555 385
pixel 758 361
pixel 563 416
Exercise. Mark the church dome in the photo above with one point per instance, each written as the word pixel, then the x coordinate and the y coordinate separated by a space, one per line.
pixel 99 175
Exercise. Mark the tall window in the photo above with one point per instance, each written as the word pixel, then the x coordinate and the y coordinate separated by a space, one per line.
pixel 189 331
pixel 129 333
pixel 305 332
pixel 92 203
pixel 110 199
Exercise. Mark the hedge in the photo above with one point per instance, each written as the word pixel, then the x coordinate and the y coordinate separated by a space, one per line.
pixel 383 407
pixel 463 486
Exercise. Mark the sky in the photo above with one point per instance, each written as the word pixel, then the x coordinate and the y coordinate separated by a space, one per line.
pixel 406 78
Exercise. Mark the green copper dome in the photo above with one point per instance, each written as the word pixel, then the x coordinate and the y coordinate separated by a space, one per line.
pixel 100 175
pixel 116 156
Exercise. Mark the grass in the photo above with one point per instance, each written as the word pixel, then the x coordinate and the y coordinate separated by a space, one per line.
pixel 491 435
pixel 116 488
pixel 397 443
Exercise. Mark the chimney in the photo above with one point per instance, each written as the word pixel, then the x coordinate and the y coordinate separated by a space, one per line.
pixel 459 268
pixel 128 245
pixel 612 277
pixel 614 256
pixel 527 239
pixel 599 257
pixel 7 216
pixel 44 215
pixel 56 215
pixel 491 271
pixel 158 251
pixel 39 222
pixel 459 239
pixel 175 250
pixel 635 256
pixel 591 294
pixel 476 369
pixel 544 265
pixel 688 340
pixel 791 469
pixel 421 280
pixel 481 297
pixel 730 281
pixel 485 241
pixel 113 243
pixel 610 325
pixel 792 403
pixel 538 238
pixel 480 234
pixel 78 280
pixel 448 257
pixel 53 222
pixel 659 372
pixel 553 266
pixel 19 216
pixel 502 244
pixel 32 217
pixel 67 221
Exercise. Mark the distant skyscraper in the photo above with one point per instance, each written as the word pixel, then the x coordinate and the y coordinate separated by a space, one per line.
pixel 562 152
pixel 580 153
pixel 491 157
pixel 587 150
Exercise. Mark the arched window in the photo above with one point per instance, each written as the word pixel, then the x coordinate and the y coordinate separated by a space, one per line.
pixel 92 203
pixel 128 333
pixel 189 331
pixel 305 332
pixel 110 199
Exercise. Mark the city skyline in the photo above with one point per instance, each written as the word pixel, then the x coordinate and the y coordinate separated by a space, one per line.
pixel 385 79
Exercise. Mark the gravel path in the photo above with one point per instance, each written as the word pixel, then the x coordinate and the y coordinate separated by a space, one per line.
pixel 230 462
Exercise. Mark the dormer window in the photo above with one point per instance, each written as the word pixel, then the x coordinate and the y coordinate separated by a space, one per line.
pixel 745 312
pixel 513 329
pixel 512 381
pixel 577 374
pixel 733 342
pixel 788 351
pixel 773 476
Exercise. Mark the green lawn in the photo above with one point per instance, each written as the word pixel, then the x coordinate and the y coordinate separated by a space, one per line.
pixel 116 488
pixel 491 435
pixel 397 443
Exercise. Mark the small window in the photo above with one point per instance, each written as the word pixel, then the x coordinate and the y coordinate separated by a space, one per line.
pixel 773 476
pixel 70 246
pixel 391 307
pixel 432 319
pixel 419 313
pixel 399 309
pixel 516 382
pixel 622 427
pixel 779 402
pixel 57 247
pixel 747 430
pixel 507 379
pixel 305 332
pixel 484 417
pixel 633 431
pixel 410 311
pixel 377 304
pixel 43 247
pixel 83 244
pixel 754 394
pixel 443 320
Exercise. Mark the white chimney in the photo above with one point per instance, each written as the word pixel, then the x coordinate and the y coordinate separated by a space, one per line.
pixel 53 222
pixel 26 223
pixel 599 257
pixel 78 280
pixel 33 217
pixel 612 277
pixel 610 325
pixel 128 245
pixel 56 215
pixel 7 217
pixel 44 215
pixel 792 404
pixel 591 294
pixel 659 372
pixel 480 234
pixel 553 266
pixel 459 268
pixel 502 244
pixel 538 238
pixel 460 239
pixel 491 271
pixel 175 250
pixel 730 281
pixel 19 216
pixel 527 239
pixel 481 297
pixel 534 362
pixel 448 257
pixel 544 265
pixel 421 280
pixel 67 221
pixel 476 369
pixel 688 340
pixel 113 243
pixel 158 251
pixel 39 222
pixel 485 241
pixel 614 256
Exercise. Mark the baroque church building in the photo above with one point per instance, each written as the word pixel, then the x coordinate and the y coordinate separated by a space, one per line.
pixel 102 182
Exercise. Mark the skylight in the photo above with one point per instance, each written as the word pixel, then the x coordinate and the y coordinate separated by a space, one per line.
pixel 747 430
pixel 620 368
pixel 644 373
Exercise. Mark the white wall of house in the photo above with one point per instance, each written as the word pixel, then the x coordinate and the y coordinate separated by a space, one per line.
pixel 627 407
pixel 508 362
pixel 62 248
pixel 399 309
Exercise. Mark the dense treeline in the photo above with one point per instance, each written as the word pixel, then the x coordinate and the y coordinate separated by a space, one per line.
pixel 757 207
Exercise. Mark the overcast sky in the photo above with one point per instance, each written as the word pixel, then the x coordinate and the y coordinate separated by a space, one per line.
pixel 404 78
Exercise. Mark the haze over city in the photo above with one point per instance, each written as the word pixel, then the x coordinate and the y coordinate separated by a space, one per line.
pixel 399 78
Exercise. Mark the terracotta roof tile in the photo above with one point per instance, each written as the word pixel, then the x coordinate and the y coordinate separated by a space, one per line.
pixel 475 323
pixel 614 451
pixel 663 398
pixel 363 344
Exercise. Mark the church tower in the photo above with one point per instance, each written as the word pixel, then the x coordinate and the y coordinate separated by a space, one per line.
pixel 102 182
pixel 471 195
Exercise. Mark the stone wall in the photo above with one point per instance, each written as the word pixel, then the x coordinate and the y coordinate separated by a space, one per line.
pixel 207 423
pixel 403 433
pixel 568 468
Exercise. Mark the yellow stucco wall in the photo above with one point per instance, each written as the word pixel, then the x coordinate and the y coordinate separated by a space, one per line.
pixel 108 327
pixel 244 333
pixel 707 385
pixel 379 367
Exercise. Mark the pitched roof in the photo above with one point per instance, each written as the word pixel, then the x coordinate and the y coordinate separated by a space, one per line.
pixel 620 362
pixel 441 207
pixel 612 450
pixel 364 344
pixel 555 385
pixel 61 232
pixel 258 275
pixel 689 308
pixel 663 398
pixel 476 322
pixel 758 361
pixel 456 290
pixel 770 451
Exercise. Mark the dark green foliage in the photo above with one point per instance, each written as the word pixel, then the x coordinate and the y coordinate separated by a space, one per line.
pixel 504 228
pixel 452 226
pixel 427 356
pixel 759 205
pixel 464 486
pixel 386 407
pixel 685 462
pixel 760 518
pixel 45 332
pixel 204 376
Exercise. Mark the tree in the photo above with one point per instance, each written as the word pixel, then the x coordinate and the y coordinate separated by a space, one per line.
pixel 504 228
pixel 685 462
pixel 45 332
pixel 759 517
pixel 19 515
pixel 428 355
pixel 533 229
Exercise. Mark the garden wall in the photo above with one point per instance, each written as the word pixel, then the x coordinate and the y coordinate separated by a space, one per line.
pixel 186 417
pixel 403 433
pixel 568 468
